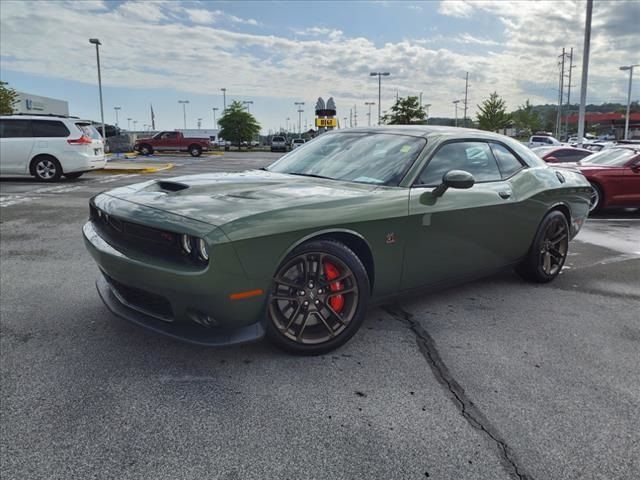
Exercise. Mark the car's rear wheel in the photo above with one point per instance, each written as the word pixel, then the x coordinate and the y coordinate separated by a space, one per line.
pixel 318 298
pixel 195 150
pixel 46 168
pixel 73 175
pixel 548 252
pixel 596 199
pixel 146 150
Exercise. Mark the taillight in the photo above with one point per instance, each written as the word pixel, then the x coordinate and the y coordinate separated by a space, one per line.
pixel 83 140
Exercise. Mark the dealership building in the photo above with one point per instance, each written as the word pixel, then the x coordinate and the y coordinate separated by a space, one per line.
pixel 28 103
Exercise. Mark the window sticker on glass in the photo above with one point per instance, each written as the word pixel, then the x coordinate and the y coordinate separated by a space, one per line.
pixel 405 148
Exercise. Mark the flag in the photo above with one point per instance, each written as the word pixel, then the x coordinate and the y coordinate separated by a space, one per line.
pixel 153 119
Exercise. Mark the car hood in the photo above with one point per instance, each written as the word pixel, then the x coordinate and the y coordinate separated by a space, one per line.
pixel 220 198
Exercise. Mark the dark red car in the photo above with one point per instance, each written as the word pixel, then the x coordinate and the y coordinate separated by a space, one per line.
pixel 561 154
pixel 614 174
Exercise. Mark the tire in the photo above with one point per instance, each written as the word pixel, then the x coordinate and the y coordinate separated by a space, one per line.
pixel 306 313
pixel 74 175
pixel 549 250
pixel 195 150
pixel 145 149
pixel 46 168
pixel 597 198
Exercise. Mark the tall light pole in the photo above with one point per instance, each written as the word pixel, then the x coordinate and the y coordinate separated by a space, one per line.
pixel 300 110
pixel 456 102
pixel 287 124
pixel 116 109
pixel 97 43
pixel 224 100
pixel 184 111
pixel 421 99
pixel 585 71
pixel 369 114
pixel 215 123
pixel 135 122
pixel 626 122
pixel 129 123
pixel 247 103
pixel 199 123
pixel 426 106
pixel 379 75
pixel 345 122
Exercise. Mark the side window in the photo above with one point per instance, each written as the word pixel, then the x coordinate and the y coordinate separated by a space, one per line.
pixel 507 161
pixel 172 135
pixel 49 128
pixel 15 129
pixel 473 157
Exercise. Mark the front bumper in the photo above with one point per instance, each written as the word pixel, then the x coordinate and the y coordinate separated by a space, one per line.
pixel 189 305
pixel 191 333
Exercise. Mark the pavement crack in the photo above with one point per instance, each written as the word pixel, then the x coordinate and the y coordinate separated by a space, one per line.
pixel 464 404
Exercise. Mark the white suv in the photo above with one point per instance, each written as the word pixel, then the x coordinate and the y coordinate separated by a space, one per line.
pixel 543 141
pixel 48 147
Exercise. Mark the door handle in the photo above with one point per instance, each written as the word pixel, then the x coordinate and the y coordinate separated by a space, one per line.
pixel 505 193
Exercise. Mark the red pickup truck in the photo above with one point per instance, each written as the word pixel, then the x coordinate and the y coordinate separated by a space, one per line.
pixel 172 141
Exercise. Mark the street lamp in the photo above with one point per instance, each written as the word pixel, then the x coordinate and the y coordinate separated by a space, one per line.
pixel 369 114
pixel 184 111
pixel 135 122
pixel 247 103
pixel 626 122
pixel 199 123
pixel 345 122
pixel 224 100
pixel 379 75
pixel 300 110
pixel 456 102
pixel 287 124
pixel 215 123
pixel 129 123
pixel 116 109
pixel 97 43
pixel 426 106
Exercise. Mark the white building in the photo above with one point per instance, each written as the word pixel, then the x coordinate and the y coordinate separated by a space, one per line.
pixel 36 105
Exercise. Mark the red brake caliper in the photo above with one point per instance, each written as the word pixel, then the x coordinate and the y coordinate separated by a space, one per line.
pixel 331 272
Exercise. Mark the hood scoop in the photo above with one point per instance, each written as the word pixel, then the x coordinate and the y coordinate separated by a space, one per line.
pixel 167 186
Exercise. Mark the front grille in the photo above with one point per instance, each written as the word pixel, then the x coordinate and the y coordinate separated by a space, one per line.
pixel 141 300
pixel 146 240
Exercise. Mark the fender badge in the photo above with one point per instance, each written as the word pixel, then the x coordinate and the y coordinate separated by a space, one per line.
pixel 391 238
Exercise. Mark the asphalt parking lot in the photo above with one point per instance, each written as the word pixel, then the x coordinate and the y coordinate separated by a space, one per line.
pixel 494 379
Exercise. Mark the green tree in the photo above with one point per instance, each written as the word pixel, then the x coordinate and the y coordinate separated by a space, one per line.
pixel 237 125
pixel 493 113
pixel 8 98
pixel 405 112
pixel 526 118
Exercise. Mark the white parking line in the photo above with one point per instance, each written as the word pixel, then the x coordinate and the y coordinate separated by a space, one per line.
pixel 8 200
pixel 114 178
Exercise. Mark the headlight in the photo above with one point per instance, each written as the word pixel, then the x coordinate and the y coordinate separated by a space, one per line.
pixel 202 250
pixel 187 245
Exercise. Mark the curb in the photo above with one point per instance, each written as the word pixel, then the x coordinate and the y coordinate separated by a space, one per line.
pixel 135 169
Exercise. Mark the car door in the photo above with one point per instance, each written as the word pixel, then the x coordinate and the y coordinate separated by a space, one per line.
pixel 463 233
pixel 16 144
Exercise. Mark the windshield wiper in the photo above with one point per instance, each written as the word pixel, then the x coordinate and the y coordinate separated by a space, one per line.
pixel 313 175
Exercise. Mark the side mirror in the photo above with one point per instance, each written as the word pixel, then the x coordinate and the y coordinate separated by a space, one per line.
pixel 552 160
pixel 454 179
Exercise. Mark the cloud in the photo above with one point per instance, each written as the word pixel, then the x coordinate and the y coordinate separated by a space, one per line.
pixel 196 50
pixel 455 8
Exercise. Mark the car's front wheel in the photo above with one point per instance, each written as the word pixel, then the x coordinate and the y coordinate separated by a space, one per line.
pixel 595 201
pixel 549 250
pixel 318 298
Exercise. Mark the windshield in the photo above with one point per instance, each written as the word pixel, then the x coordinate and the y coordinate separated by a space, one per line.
pixel 616 157
pixel 375 158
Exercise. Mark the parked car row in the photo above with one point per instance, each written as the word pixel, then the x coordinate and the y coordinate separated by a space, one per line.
pixel 48 147
pixel 279 143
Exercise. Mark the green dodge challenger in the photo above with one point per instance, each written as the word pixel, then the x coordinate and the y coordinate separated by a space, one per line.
pixel 297 250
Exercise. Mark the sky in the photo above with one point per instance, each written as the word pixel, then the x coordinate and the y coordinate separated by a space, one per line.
pixel 277 53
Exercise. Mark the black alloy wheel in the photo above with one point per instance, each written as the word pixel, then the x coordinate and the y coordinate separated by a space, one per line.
pixel 318 298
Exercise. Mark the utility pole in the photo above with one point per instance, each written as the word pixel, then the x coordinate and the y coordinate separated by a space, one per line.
pixel 585 71
pixel 455 102
pixel 351 118
pixel 97 43
pixel 116 109
pixel 215 122
pixel 224 100
pixel 379 75
pixel 571 67
pixel 184 111
pixel 199 123
pixel 466 92
pixel 560 95
pixel 355 115
pixel 369 114
pixel 626 121
pixel 345 122
pixel 300 110
pixel 427 109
